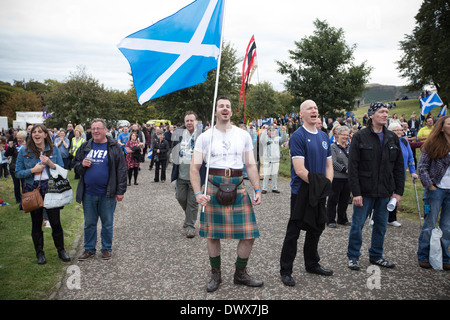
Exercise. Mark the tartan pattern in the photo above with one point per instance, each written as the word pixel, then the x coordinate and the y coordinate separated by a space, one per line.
pixel 228 222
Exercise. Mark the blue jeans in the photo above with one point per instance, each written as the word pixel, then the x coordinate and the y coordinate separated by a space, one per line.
pixel 98 207
pixel 439 201
pixel 380 219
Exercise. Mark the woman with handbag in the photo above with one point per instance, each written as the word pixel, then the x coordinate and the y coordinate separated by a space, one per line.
pixel 33 164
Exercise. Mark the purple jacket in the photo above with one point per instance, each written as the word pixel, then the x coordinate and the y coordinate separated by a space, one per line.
pixel 431 171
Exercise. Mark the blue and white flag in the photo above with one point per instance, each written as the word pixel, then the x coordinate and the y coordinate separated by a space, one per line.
pixel 430 102
pixel 443 111
pixel 176 52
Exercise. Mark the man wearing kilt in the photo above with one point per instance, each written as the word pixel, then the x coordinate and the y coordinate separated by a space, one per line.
pixel 231 148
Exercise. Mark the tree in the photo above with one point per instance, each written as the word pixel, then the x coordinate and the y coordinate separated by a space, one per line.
pixel 323 70
pixel 78 100
pixel 21 100
pixel 262 102
pixel 426 50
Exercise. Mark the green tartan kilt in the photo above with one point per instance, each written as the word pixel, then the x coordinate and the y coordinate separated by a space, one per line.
pixel 235 221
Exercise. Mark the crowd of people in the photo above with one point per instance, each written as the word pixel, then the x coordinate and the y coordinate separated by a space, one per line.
pixel 334 163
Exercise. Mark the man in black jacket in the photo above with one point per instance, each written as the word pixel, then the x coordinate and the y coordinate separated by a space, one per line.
pixel 103 181
pixel 376 175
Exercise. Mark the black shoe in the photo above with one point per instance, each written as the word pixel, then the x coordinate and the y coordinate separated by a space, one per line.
pixel 264 191
pixel 129 183
pixel 353 264
pixel 63 256
pixel 332 225
pixel 276 191
pixel 136 183
pixel 41 257
pixel 288 280
pixel 320 270
pixel 383 263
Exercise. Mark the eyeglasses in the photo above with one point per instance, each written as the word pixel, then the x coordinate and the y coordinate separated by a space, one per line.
pixel 97 129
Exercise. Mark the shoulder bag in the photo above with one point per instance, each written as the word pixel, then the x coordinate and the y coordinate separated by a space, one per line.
pixel 32 200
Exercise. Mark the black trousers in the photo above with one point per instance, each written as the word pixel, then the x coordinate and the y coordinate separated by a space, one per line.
pixel 37 217
pixel 289 250
pixel 339 198
pixel 160 164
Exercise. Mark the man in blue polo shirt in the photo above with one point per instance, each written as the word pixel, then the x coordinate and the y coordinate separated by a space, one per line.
pixel 310 153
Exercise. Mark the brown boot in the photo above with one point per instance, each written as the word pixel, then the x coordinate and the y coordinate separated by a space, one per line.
pixel 216 279
pixel 241 277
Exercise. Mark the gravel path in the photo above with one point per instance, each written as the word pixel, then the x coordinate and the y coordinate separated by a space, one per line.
pixel 153 260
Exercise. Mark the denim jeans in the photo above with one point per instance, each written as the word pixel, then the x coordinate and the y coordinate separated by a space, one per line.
pixel 98 207
pixel 380 219
pixel 439 201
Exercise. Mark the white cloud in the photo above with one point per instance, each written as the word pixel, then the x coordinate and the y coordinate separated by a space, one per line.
pixel 48 39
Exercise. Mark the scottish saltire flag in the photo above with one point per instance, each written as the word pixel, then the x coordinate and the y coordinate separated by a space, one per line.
pixel 443 111
pixel 176 52
pixel 429 102
pixel 150 153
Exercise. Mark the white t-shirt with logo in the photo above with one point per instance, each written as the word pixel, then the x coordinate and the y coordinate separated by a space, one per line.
pixel 228 147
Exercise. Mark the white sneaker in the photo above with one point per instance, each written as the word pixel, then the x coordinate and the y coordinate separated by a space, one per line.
pixel 47 224
pixel 394 224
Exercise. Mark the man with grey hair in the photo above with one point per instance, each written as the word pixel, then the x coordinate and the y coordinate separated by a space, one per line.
pixel 103 181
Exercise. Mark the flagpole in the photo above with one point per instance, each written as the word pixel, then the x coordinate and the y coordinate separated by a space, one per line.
pixel 214 103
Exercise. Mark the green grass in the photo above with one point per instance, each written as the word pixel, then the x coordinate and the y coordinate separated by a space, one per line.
pixel 406 107
pixel 21 278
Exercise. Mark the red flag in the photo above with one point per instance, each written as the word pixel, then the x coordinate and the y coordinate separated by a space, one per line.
pixel 248 68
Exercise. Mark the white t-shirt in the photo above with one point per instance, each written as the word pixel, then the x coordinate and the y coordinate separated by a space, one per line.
pixel 445 181
pixel 227 148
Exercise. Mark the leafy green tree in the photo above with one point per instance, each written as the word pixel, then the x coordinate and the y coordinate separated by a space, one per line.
pixel 128 108
pixel 78 100
pixel 323 70
pixel 427 49
pixel 262 101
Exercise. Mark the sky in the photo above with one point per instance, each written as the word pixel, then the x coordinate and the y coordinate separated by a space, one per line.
pixel 50 39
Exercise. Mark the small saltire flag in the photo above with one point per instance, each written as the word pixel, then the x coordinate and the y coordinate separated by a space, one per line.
pixel 248 68
pixel 177 52
pixel 443 111
pixel 429 102
pixel 150 153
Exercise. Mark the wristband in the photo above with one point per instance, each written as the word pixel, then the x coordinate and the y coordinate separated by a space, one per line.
pixel 197 193
pixel 257 190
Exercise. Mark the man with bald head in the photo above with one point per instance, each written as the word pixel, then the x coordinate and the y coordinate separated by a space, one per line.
pixel 310 156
